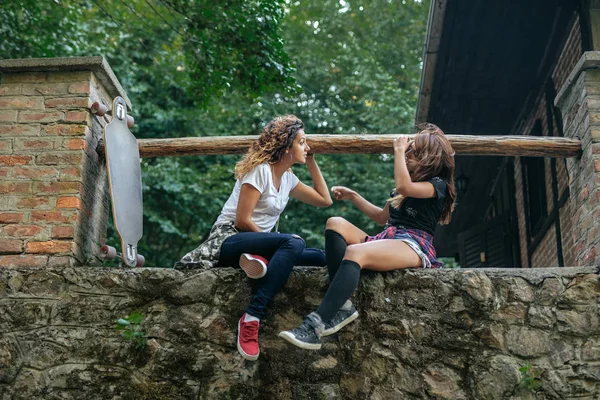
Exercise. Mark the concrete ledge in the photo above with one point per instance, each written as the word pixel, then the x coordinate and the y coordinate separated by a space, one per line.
pixel 589 60
pixel 98 65
pixel 533 275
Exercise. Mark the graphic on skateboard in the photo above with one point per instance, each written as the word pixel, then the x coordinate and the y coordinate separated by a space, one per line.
pixel 124 181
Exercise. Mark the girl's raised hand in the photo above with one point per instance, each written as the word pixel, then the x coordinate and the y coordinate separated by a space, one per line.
pixel 342 192
pixel 401 143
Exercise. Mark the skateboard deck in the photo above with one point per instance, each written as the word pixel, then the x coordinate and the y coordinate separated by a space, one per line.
pixel 125 183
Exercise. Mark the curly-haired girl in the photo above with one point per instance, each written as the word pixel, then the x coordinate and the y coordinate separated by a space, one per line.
pixel 242 233
pixel 424 195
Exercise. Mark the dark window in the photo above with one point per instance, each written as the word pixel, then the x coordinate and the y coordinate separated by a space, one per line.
pixel 534 173
pixel 495 241
pixel 487 245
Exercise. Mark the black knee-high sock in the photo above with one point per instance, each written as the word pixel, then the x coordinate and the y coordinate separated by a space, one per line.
pixel 335 248
pixel 340 289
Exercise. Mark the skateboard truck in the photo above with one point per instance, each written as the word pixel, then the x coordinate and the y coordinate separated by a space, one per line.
pixel 110 253
pixel 102 110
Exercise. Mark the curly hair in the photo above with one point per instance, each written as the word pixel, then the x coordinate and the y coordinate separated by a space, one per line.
pixel 277 136
pixel 433 156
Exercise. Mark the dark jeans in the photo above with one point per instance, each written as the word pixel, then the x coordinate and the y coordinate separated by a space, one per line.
pixel 283 250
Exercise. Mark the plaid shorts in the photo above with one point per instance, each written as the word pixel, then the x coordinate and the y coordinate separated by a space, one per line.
pixel 420 241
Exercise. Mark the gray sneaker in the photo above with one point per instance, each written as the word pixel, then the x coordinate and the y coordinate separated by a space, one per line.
pixel 307 335
pixel 340 320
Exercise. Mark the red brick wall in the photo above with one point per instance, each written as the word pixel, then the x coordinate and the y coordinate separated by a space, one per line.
pixel 579 101
pixel 545 255
pixel 53 208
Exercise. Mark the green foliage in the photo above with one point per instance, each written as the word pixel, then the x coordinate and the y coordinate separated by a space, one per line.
pixel 32 28
pixel 530 378
pixel 358 66
pixel 449 262
pixel 110 263
pixel 200 68
pixel 358 63
pixel 182 201
pixel 360 82
pixel 131 330
pixel 233 44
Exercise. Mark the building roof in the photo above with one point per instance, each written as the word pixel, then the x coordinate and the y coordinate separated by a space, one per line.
pixel 484 65
pixel 483 60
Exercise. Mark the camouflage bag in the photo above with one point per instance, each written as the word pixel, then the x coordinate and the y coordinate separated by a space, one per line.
pixel 207 254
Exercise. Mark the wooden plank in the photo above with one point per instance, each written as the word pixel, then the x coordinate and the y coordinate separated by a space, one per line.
pixel 437 12
pixel 594 25
pixel 529 146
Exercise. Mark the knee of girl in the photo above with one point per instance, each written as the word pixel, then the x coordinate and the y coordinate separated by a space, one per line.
pixel 297 244
pixel 353 253
pixel 335 223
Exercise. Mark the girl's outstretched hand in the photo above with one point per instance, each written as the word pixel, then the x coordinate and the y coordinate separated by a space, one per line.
pixel 342 193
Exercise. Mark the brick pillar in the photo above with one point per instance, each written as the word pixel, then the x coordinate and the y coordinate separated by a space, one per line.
pixel 53 187
pixel 579 102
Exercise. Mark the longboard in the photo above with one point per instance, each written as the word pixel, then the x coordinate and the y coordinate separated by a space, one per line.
pixel 125 184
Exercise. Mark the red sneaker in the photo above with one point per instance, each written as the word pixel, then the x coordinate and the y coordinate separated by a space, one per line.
pixel 254 266
pixel 247 340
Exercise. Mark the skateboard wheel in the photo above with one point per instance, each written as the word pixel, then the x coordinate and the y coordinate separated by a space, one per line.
pixel 130 121
pixel 140 261
pixel 99 109
pixel 108 252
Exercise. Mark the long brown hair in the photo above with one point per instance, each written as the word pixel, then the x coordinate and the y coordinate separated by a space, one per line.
pixel 433 156
pixel 277 136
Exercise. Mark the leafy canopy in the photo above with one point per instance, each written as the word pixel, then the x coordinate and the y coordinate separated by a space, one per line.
pixel 200 68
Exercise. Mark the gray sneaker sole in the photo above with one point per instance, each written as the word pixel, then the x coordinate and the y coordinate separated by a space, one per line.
pixel 339 326
pixel 292 339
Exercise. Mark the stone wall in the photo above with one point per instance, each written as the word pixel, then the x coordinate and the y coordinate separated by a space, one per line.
pixel 444 334
pixel 53 188
pixel 579 102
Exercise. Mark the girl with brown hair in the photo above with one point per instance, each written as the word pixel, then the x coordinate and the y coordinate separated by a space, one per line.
pixel 242 233
pixel 423 197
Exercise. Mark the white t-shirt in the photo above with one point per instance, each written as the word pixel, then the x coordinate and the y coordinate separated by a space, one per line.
pixel 271 202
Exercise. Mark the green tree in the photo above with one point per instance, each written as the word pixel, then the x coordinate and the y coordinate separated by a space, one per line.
pixel 196 68
pixel 358 65
pixel 234 44
pixel 31 28
pixel 349 85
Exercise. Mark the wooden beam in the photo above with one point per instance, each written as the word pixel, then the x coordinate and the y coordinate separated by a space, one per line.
pixel 437 14
pixel 469 145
